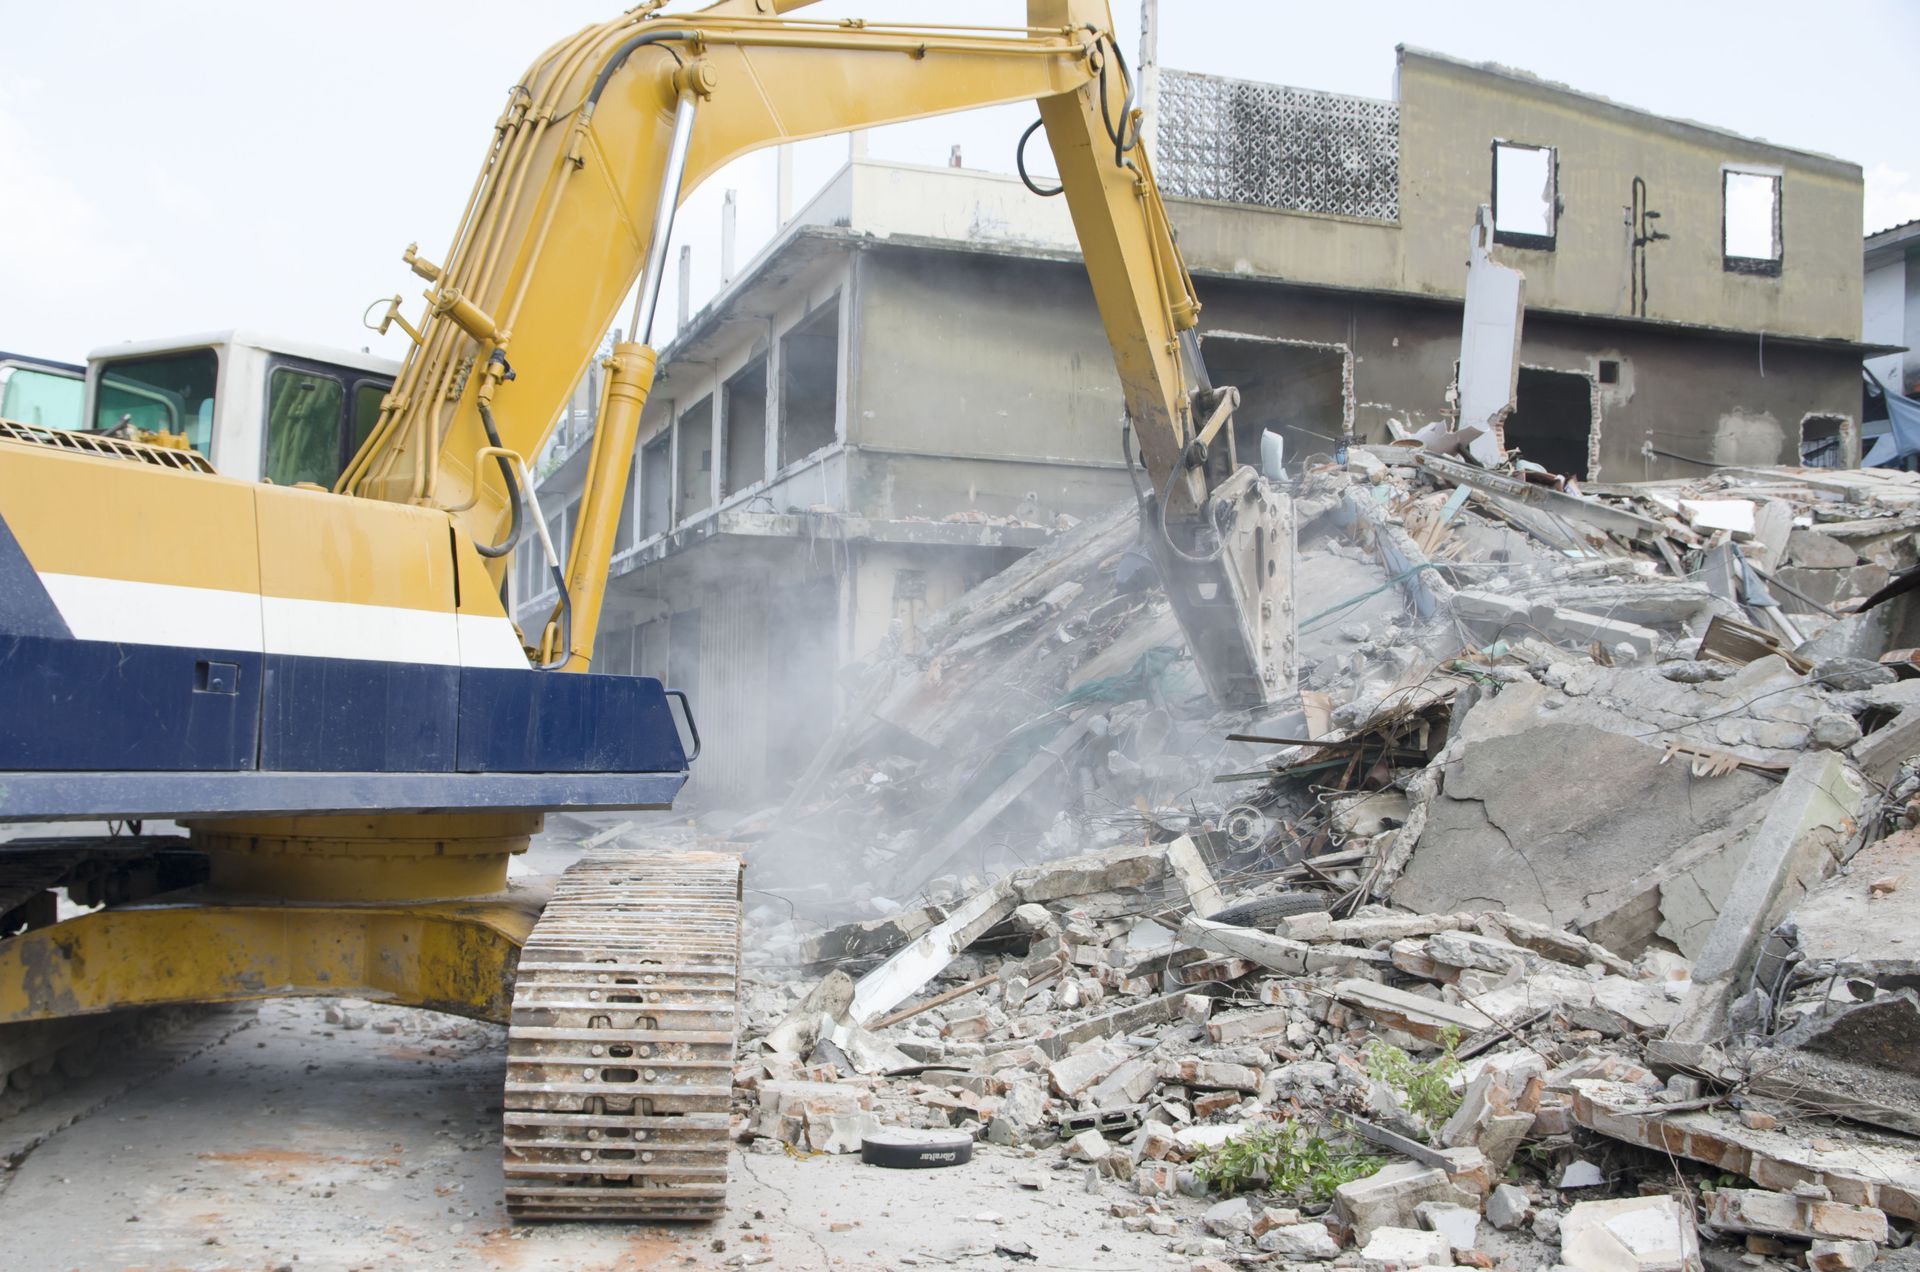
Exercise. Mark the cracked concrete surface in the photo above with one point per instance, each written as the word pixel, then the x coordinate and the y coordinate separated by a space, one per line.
pixel 1597 821
pixel 301 1144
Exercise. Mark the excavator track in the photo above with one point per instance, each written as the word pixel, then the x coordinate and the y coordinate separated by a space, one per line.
pixel 621 1045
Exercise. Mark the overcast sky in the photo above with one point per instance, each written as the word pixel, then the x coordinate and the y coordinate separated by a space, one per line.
pixel 193 165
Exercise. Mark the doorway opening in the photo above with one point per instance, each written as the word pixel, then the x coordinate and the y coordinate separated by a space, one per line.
pixel 1552 422
pixel 1300 390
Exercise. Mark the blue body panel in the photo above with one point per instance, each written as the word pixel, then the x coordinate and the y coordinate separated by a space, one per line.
pixel 95 705
pixel 83 704
pixel 349 715
pixel 565 724
pixel 25 607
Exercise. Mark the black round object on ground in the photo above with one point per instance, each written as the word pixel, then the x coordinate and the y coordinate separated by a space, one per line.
pixel 1266 912
pixel 903 1148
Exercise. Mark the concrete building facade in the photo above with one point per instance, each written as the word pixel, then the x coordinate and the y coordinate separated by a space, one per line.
pixel 1890 306
pixel 909 386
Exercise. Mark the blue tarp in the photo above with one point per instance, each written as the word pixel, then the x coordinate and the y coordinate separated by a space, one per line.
pixel 1903 437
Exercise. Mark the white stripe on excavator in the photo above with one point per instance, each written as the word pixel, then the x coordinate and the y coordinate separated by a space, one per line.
pixel 340 629
pixel 137 613
pixel 488 640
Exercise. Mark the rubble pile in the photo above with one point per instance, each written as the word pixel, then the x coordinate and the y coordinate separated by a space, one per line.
pixel 1569 917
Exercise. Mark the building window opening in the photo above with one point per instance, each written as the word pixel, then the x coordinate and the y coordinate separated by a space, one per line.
pixel 656 486
pixel 744 409
pixel 623 534
pixel 1609 371
pixel 1551 423
pixel 1297 390
pixel 1823 441
pixel 810 383
pixel 696 458
pixel 1526 201
pixel 1750 221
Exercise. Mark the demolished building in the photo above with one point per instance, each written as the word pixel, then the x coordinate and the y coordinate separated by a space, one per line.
pixel 1567 921
pixel 825 461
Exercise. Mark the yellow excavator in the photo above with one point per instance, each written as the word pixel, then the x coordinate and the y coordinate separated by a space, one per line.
pixel 324 688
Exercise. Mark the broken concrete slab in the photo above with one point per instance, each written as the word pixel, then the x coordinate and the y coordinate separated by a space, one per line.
pixel 1632 1234
pixel 1239 1026
pixel 1864 922
pixel 1389 1197
pixel 1493 844
pixel 1807 831
pixel 1507 1207
pixel 1073 1075
pixel 1459 1224
pixel 820 1117
pixel 1405 1250
pixel 1426 1018
pixel 1859 1167
pixel 1789 1215
pixel 1090 873
pixel 1275 953
pixel 902 975
pixel 1880 754
pixel 1841 1256
pixel 1299 1241
pixel 1189 867
pixel 1860 1061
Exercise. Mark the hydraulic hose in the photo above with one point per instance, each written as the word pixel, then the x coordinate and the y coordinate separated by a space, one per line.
pixel 513 491
pixel 625 51
pixel 1020 162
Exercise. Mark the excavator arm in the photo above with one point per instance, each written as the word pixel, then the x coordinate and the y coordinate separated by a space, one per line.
pixel 608 132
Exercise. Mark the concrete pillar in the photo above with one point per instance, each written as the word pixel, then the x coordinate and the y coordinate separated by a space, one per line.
pixel 684 308
pixel 783 184
pixel 1148 69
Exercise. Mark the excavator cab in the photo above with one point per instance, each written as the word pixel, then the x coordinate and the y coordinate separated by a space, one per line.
pixel 256 407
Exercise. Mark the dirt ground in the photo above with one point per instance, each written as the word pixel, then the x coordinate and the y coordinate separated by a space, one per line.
pixel 300 1143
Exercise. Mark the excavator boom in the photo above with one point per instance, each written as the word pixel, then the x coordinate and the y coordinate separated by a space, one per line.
pixel 570 214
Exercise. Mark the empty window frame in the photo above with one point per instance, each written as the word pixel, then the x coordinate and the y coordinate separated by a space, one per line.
pixel 1750 220
pixel 1823 441
pixel 656 485
pixel 810 383
pixel 744 409
pixel 696 458
pixel 623 535
pixel 1526 195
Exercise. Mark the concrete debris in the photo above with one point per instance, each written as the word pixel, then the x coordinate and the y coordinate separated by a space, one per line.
pixel 1405 1249
pixel 1793 1215
pixel 1583 870
pixel 1633 1234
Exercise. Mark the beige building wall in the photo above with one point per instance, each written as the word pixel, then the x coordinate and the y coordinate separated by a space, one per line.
pixel 1450 114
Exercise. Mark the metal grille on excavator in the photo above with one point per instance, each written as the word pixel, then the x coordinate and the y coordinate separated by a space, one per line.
pixel 621 1045
pixel 104 446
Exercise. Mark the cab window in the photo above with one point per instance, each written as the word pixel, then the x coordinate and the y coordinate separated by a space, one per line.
pixel 46 398
pixel 367 395
pixel 304 422
pixel 169 393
